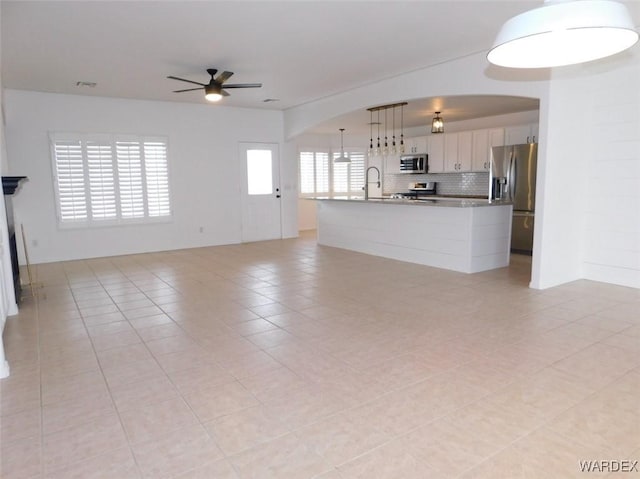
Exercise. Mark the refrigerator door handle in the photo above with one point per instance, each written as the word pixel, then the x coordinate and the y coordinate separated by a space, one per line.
pixel 512 177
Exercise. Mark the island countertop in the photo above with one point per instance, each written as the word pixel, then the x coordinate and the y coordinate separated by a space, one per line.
pixel 448 202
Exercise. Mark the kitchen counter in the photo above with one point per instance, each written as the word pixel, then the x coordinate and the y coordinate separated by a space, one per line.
pixel 447 201
pixel 466 235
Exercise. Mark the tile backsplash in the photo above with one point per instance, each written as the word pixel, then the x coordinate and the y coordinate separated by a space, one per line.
pixel 476 183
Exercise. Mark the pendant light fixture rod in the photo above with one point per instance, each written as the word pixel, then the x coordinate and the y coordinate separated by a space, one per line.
pixel 386 107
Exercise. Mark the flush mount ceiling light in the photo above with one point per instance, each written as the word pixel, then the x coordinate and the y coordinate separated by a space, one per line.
pixel 564 32
pixel 342 158
pixel 437 124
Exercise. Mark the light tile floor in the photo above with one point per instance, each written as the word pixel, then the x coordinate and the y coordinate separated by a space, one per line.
pixel 287 360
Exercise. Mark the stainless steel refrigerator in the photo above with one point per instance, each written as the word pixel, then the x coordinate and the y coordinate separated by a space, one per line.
pixel 513 178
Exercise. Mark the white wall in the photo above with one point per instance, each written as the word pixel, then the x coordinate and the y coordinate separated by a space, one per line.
pixel 591 180
pixel 204 170
pixel 612 193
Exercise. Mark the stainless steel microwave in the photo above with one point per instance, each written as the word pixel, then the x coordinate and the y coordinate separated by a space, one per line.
pixel 414 163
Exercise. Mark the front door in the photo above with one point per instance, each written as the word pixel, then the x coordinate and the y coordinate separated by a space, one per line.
pixel 260 192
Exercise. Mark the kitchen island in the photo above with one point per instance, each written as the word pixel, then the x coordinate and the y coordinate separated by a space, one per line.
pixel 466 235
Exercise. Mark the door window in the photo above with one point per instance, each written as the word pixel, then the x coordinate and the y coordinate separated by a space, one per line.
pixel 259 172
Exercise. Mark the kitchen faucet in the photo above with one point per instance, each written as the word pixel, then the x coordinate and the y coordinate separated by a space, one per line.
pixel 366 179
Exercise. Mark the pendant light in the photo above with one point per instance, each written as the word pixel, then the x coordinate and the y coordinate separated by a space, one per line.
pixel 342 158
pixel 393 141
pixel 370 151
pixel 564 32
pixel 437 124
pixel 378 145
pixel 401 129
pixel 386 143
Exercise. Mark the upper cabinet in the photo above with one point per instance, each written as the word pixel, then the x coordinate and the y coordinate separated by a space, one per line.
pixel 457 151
pixel 435 150
pixel 416 144
pixel 458 148
pixel 520 134
pixel 483 141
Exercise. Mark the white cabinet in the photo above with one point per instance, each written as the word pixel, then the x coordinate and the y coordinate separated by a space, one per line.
pixel 520 134
pixel 450 152
pixel 457 151
pixel 436 153
pixel 483 141
pixel 480 157
pixel 496 137
pixel 416 144
pixel 465 149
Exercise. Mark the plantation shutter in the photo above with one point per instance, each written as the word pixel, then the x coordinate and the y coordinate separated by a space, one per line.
pixel 356 179
pixel 322 172
pixel 129 159
pixel 307 172
pixel 157 175
pixel 102 192
pixel 340 175
pixel 69 166
pixel 314 172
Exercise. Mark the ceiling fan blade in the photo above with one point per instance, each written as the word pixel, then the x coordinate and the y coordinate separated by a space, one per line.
pixel 188 89
pixel 223 77
pixel 244 85
pixel 224 93
pixel 188 81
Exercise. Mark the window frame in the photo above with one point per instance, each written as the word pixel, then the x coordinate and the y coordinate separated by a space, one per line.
pixel 112 140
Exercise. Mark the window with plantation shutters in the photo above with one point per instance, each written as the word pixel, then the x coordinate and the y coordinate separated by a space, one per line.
pixel 320 175
pixel 102 179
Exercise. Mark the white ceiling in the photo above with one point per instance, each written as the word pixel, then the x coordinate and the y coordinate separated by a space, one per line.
pixel 299 50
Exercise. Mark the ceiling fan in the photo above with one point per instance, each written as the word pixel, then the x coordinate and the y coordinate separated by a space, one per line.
pixel 215 89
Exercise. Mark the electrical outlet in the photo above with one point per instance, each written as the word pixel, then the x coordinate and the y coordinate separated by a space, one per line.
pixel 202 229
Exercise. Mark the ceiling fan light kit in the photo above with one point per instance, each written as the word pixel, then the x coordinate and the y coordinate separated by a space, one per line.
pixel 215 89
pixel 564 32
pixel 212 93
